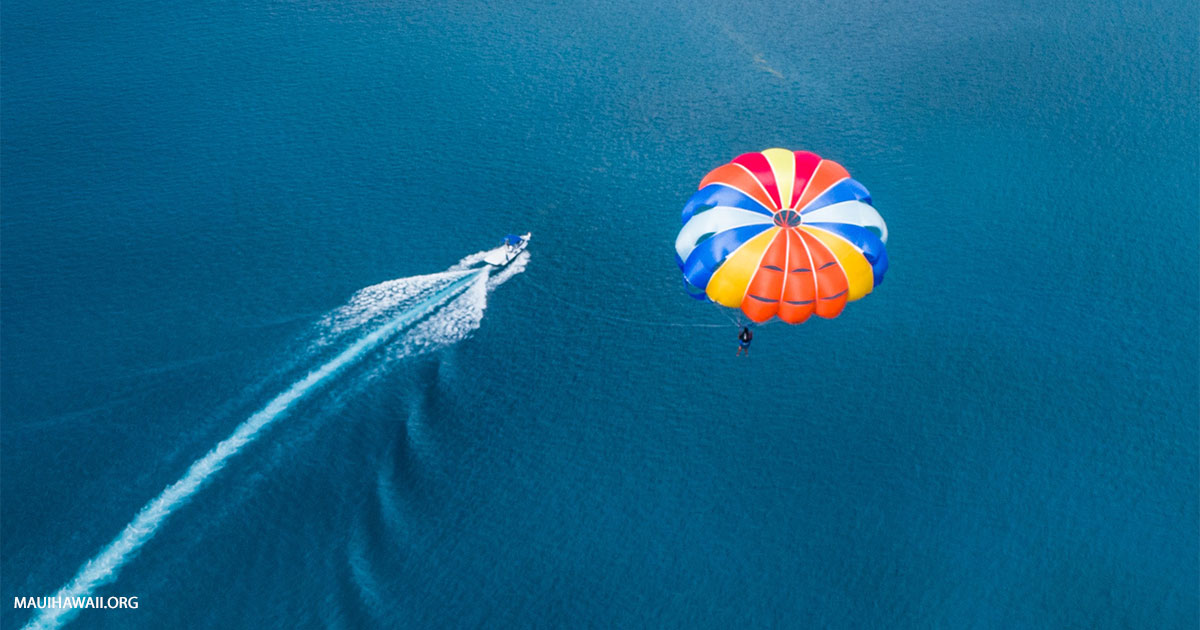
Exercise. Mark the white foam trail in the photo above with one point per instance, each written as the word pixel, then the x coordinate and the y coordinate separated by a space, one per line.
pixel 104 567
pixel 384 299
pixel 380 300
pixel 455 321
pixel 461 315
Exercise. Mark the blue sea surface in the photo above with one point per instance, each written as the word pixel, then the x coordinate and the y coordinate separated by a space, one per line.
pixel 1005 434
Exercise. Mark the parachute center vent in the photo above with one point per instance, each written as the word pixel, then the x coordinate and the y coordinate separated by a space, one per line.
pixel 787 218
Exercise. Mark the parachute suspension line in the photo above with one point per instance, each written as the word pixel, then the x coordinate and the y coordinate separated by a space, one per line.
pixel 737 320
pixel 615 318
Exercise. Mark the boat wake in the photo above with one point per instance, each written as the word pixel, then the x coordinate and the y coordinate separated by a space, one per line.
pixel 432 311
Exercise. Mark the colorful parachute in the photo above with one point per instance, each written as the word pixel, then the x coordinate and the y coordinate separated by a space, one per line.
pixel 781 233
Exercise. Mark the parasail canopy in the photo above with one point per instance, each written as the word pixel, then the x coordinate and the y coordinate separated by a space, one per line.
pixel 781 234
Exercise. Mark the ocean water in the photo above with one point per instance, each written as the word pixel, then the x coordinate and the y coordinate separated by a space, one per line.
pixel 244 222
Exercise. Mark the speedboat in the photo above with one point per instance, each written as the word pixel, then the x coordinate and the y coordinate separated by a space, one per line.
pixel 510 248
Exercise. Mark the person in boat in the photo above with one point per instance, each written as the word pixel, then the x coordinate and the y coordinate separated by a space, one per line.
pixel 512 241
pixel 744 339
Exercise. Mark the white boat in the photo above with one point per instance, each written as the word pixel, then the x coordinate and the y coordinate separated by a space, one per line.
pixel 512 247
